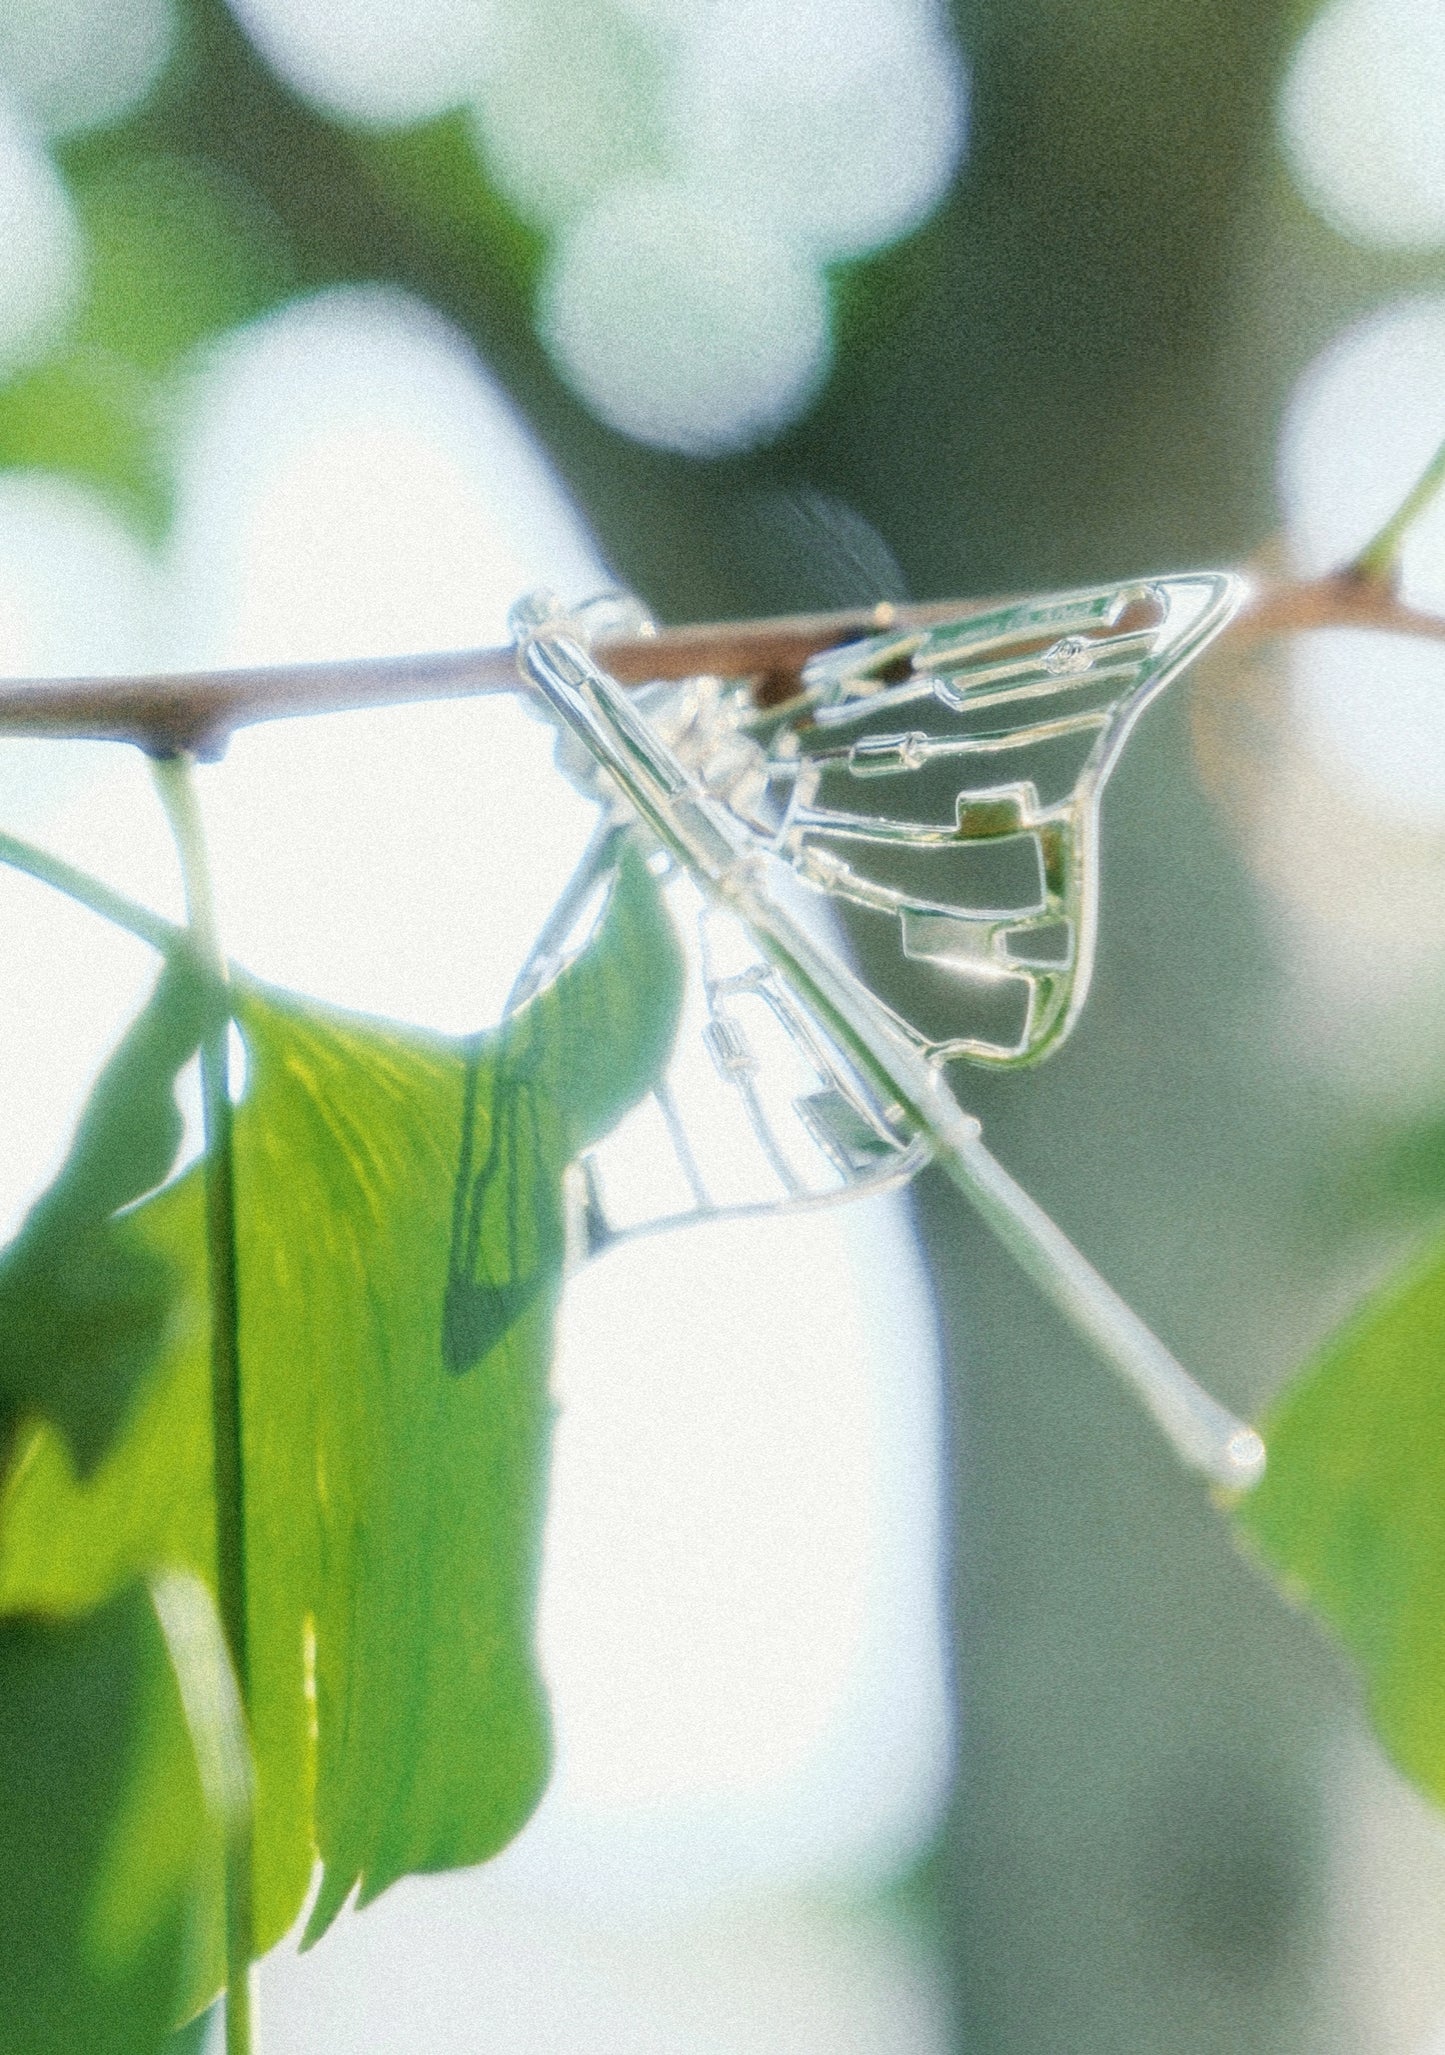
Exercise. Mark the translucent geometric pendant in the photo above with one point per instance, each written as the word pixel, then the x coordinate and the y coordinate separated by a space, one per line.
pixel 944 781
pixel 949 782
pixel 761 1109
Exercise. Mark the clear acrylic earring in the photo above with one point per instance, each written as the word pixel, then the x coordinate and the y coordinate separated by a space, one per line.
pixel 946 782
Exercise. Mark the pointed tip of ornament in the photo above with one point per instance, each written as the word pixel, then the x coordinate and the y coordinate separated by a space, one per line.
pixel 1244 1459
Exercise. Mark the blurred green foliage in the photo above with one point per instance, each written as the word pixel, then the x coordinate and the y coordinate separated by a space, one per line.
pixel 177 251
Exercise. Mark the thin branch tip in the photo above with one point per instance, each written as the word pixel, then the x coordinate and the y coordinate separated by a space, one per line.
pixel 1378 563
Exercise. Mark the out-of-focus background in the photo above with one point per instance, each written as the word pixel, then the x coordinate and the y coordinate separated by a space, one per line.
pixel 908 1697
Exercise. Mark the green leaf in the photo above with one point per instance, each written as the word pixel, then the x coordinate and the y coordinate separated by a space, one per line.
pixel 394 1497
pixel 87 1963
pixel 1351 1513
pixel 520 1128
pixel 84 1301
pixel 191 2038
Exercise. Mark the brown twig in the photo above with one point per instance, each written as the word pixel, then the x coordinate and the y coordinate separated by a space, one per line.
pixel 1341 600
pixel 197 711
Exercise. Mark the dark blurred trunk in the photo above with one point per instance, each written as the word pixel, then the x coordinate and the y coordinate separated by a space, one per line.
pixel 1134 1861
pixel 1137 1851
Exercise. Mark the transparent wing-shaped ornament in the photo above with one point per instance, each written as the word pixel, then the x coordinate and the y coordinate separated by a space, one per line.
pixel 892 781
pixel 760 1110
pixel 948 783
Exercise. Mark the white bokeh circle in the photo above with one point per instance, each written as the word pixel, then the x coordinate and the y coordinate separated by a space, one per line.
pixel 41 274
pixel 79 64
pixel 362 521
pixel 382 63
pixel 841 126
pixel 78 595
pixel 1361 120
pixel 1372 710
pixel 1362 424
pixel 575 105
pixel 683 322
pixel 752 143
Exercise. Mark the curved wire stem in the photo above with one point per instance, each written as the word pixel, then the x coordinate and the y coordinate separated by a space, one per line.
pixel 175 782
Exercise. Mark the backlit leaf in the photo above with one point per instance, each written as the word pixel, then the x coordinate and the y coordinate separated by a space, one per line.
pixel 84 1300
pixel 1351 1513
pixel 83 1966
pixel 394 1486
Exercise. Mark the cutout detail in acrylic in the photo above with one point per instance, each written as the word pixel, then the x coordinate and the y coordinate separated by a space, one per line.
pixel 971 744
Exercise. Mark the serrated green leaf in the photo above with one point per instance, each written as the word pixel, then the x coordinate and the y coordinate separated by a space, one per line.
pixel 394 1496
pixel 1351 1513
pixel 84 1301
pixel 84 1963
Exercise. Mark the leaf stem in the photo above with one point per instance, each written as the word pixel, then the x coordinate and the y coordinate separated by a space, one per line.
pixel 175 781
pixel 1378 563
pixel 87 891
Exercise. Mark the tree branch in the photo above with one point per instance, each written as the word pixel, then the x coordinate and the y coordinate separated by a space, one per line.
pixel 196 712
pixel 1340 600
